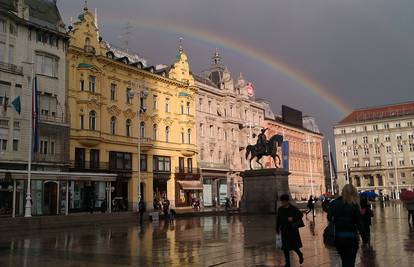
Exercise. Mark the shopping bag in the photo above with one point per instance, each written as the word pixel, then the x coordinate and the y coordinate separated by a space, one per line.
pixel 279 241
pixel 329 235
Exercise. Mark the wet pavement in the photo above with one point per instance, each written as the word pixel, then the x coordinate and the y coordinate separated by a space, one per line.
pixel 202 241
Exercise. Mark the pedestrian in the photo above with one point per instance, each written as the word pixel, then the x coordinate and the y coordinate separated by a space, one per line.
pixel 344 213
pixel 166 208
pixel 104 205
pixel 325 204
pixel 227 205
pixel 366 215
pixel 141 210
pixel 288 217
pixel 311 206
pixel 410 208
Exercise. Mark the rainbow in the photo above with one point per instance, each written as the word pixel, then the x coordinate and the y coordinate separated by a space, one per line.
pixel 224 41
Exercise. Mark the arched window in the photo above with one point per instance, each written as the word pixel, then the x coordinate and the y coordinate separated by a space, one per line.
pixel 182 136
pixel 154 132
pixel 92 120
pixel 167 134
pixel 113 125
pixel 142 129
pixel 188 107
pixel 128 127
pixel 189 136
pixel 87 41
pixel 182 108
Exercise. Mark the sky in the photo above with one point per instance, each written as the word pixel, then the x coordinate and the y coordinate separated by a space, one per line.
pixel 324 57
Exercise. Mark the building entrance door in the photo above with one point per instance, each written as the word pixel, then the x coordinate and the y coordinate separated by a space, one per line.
pixel 50 198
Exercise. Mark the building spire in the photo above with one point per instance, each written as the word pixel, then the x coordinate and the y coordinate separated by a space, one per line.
pixel 216 57
pixel 180 47
pixel 85 5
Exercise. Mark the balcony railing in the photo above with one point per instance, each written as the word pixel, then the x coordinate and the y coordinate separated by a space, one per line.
pixel 50 118
pixel 89 49
pixel 187 170
pixel 11 68
pixel 53 158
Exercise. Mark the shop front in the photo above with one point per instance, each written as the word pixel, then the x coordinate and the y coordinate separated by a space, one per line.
pixel 187 192
pixel 55 193
pixel 214 191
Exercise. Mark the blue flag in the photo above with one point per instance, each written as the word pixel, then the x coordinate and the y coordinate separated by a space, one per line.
pixel 333 165
pixel 16 104
pixel 35 116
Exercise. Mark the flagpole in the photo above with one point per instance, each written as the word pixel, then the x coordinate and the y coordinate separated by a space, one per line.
pixel 28 206
pixel 330 168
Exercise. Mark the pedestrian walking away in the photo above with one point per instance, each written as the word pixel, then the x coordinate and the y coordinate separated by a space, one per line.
pixel 289 219
pixel 141 210
pixel 311 206
pixel 410 208
pixel 345 214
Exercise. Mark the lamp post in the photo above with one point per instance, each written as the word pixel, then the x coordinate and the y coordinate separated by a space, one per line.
pixel 397 188
pixel 309 141
pixel 345 151
pixel 28 205
pixel 141 109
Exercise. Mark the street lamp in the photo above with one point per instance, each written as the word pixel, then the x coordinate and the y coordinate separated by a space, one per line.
pixel 141 109
pixel 309 142
pixel 345 152
pixel 397 193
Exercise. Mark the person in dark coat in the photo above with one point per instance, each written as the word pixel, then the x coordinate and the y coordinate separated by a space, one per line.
pixel 311 206
pixel 344 213
pixel 366 215
pixel 286 215
pixel 141 211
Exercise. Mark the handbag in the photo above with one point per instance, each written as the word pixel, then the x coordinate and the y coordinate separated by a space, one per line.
pixel 279 243
pixel 329 235
pixel 298 224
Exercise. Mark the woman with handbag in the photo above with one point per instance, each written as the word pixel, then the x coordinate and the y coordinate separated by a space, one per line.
pixel 345 214
pixel 289 220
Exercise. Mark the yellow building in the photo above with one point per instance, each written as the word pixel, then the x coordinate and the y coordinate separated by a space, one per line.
pixel 113 102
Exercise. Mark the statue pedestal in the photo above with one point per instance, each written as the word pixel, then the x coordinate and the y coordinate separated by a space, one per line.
pixel 261 190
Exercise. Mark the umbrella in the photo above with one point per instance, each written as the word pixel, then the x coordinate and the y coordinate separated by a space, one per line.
pixel 368 194
pixel 407 195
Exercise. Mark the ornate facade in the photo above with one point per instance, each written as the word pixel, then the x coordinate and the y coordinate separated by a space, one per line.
pixel 227 117
pixel 115 101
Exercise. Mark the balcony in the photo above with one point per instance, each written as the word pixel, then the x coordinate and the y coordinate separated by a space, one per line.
pixel 86 137
pixel 11 68
pixel 91 166
pixel 52 119
pixel 215 166
pixel 187 173
pixel 89 49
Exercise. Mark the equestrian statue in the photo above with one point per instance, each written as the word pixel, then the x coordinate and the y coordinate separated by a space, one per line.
pixel 264 147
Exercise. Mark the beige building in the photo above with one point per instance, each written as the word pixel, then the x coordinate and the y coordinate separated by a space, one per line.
pixel 226 118
pixel 377 146
pixel 304 154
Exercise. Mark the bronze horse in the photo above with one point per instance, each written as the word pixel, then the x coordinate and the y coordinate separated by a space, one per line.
pixel 271 150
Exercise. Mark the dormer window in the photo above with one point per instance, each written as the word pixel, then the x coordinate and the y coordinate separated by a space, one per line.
pixel 110 55
pixel 87 41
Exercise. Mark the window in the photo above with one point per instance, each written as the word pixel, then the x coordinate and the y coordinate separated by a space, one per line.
pixel 377 150
pixel 13 28
pixel 47 65
pixel 398 137
pixel 167 134
pixel 189 136
pixel 387 138
pixel 182 108
pixel 167 105
pixel 92 120
pixel 81 122
pixel 113 92
pixel 365 139
pixel 202 154
pixel 356 164
pixel 410 136
pixel 11 54
pixel 378 163
pixel 211 131
pixel 92 84
pixel 375 127
pixel 79 157
pixel 411 147
pixel 154 132
pixel 154 103
pixel 354 142
pixel 400 147
pixel 389 162
pixel 386 126
pixel 94 158
pixel 15 145
pixel 182 136
pixel 391 175
pixel 401 162
pixel 181 164
pixel 209 106
pixel 231 111
pixel 52 147
pixel 43 146
pixel 366 151
pixel 3 144
pixel 3 25
pixel 2 50
pixel 128 96
pixel 398 125
pixel 162 164
pixel 355 152
pixel 367 164
pixel 120 160
pixel 201 129
pixel 389 150
pixel 402 175
pixel 128 127
pixel 343 142
pixel 143 162
pixel 376 139
pixel 113 125
pixel 343 131
pixel 412 164
pixel 409 124
pixel 188 108
pixel 142 129
pixel 190 165
pixel 81 85
pixel 365 128
pixel 142 103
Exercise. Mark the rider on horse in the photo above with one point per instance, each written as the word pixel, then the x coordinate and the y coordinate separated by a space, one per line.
pixel 261 142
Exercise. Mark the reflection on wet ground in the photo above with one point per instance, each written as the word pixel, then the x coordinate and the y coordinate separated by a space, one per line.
pixel 202 241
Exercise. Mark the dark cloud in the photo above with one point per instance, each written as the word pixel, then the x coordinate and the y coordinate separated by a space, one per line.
pixel 359 50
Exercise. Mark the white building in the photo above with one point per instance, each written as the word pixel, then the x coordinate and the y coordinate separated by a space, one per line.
pixel 377 144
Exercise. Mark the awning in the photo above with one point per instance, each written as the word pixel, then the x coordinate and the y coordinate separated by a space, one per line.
pixel 56 175
pixel 191 185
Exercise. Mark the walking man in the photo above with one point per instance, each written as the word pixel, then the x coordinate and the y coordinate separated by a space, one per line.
pixel 311 206
pixel 141 210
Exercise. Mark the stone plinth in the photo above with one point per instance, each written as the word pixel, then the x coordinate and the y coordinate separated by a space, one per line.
pixel 262 188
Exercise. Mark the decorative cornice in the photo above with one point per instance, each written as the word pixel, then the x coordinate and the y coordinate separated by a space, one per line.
pixel 129 114
pixel 93 103
pixel 114 110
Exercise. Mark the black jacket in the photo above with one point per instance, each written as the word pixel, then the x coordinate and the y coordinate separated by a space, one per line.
pixel 346 218
pixel 290 236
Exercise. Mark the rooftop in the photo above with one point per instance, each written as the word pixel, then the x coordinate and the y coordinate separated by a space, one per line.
pixel 379 113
